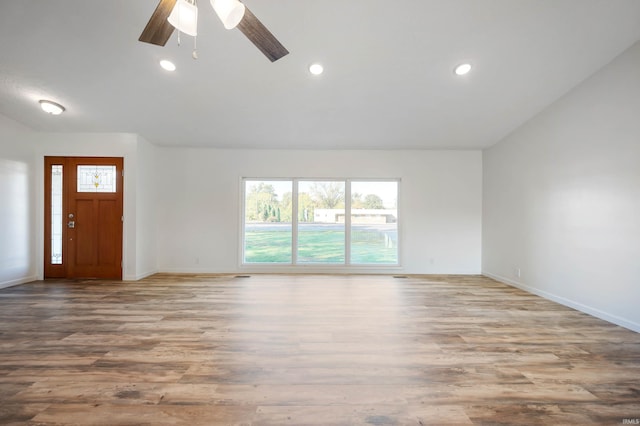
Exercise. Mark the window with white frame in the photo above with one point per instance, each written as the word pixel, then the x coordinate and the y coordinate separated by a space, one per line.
pixel 320 221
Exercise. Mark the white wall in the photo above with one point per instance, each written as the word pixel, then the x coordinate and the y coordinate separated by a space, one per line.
pixel 199 203
pixel 17 198
pixel 183 204
pixel 562 198
pixel 146 207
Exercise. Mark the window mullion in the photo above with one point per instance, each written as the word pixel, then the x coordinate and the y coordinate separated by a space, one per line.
pixel 294 223
pixel 347 222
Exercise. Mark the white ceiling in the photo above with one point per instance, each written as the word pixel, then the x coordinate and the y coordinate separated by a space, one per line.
pixel 388 80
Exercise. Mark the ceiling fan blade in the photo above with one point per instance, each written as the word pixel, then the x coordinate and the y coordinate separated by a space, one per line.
pixel 158 29
pixel 261 36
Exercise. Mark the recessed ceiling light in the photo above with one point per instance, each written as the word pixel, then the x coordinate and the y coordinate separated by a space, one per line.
pixel 167 65
pixel 51 107
pixel 462 69
pixel 316 69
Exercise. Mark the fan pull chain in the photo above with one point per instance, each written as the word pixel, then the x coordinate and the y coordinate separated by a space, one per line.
pixel 194 54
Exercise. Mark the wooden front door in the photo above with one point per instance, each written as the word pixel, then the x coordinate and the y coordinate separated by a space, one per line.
pixel 83 217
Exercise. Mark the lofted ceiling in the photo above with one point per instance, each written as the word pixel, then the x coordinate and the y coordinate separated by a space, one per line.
pixel 388 80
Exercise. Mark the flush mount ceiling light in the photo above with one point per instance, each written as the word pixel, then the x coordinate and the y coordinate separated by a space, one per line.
pixel 462 69
pixel 316 69
pixel 167 65
pixel 51 107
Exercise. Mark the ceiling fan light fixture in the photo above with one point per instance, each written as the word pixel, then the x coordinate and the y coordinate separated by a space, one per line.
pixel 230 12
pixel 51 107
pixel 184 17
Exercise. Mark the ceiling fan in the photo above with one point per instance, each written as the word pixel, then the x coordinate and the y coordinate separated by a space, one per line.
pixel 182 14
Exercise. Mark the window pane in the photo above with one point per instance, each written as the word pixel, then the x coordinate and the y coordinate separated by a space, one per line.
pixel 96 178
pixel 321 222
pixel 56 215
pixel 374 222
pixel 267 221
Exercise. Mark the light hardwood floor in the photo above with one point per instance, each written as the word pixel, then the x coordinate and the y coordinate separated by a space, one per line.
pixel 308 350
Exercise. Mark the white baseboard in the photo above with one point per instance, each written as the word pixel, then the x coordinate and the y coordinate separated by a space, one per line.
pixel 18 281
pixel 288 269
pixel 614 319
pixel 192 271
pixel 138 276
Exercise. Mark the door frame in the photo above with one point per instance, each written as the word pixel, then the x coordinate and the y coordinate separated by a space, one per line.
pixel 61 271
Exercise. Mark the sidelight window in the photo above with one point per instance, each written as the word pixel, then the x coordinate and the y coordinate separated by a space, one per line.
pixel 56 214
